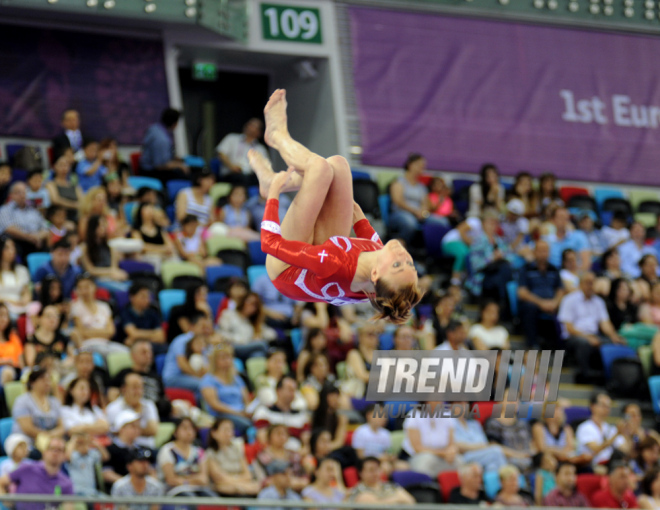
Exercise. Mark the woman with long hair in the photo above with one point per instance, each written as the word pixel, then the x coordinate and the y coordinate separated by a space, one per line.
pixel 99 259
pixel 196 301
pixel 487 193
pixel 358 361
pixel 487 333
pixel 79 416
pixel 47 336
pixel 158 246
pixel 15 290
pixel 329 414
pixel 650 486
pixel 61 190
pixel 310 256
pixel 11 348
pixel 619 304
pixel 276 450
pixel 317 375
pixel 523 189
pixel 95 202
pixel 547 196
pixel 315 343
pixel 196 199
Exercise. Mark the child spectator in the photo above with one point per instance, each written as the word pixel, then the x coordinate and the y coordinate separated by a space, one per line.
pixel 91 169
pixel 11 348
pixel 84 454
pixel 57 224
pixel 195 355
pixel 37 194
pixel 372 439
pixel 16 448
pixel 545 479
pixel 440 199
pixel 191 246
pixel 140 321
pixel 617 233
pixel 597 242
pixel 237 290
pixel 235 213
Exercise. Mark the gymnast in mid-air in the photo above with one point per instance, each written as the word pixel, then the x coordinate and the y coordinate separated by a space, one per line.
pixel 310 255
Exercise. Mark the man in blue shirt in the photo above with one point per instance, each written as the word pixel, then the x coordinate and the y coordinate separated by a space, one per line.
pixel 60 266
pixel 540 292
pixel 277 307
pixel 563 238
pixel 139 321
pixel 632 251
pixel 91 169
pixel 158 158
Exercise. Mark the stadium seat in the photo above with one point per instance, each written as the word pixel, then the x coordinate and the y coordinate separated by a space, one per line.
pixel 257 257
pixel 448 481
pixel 234 257
pixel 35 261
pixel 433 232
pixel 239 366
pixel 648 219
pixel 13 390
pixel 169 298
pixel 360 174
pixel 174 186
pixel 135 161
pixel 645 353
pixel 654 387
pixel 637 196
pixel 216 243
pixel 602 194
pixel 384 202
pixel 137 182
pixel 6 424
pixel 164 433
pixel 214 299
pixel 215 165
pixel 612 352
pixel 588 484
pixel 584 202
pixel 214 273
pixel 365 194
pixel 566 192
pixel 492 483
pixel 649 206
pixel 485 411
pixel 396 442
pixel 194 161
pixel 458 185
pixel 341 368
pixel 130 209
pixel 297 340
pixel 118 361
pixel 385 177
pixel 218 190
pixel 576 414
pixel 512 292
pixel 254 273
pixel 386 341
pixel 170 270
pixel 181 394
pixel 159 362
pixel 617 204
pixel 254 368
pixel 135 266
pixel 351 477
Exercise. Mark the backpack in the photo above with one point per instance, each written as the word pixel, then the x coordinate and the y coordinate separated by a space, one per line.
pixel 28 159
pixel 628 379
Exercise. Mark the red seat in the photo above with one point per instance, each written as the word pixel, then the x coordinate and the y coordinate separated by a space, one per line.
pixel 51 153
pixel 135 161
pixel 21 327
pixel 485 411
pixel 252 450
pixel 425 179
pixel 349 438
pixel 566 192
pixel 588 484
pixel 448 480
pixel 180 394
pixel 351 477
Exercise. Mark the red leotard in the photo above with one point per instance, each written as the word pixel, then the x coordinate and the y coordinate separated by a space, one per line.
pixel 317 273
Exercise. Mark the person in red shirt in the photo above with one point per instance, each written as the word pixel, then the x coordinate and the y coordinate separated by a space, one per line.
pixel 618 494
pixel 310 256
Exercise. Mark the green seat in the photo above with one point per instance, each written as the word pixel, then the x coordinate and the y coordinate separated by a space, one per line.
pixel 645 353
pixel 396 443
pixel 385 177
pixel 13 390
pixel 170 270
pixel 164 433
pixel 118 361
pixel 255 367
pixel 647 219
pixel 218 190
pixel 637 196
pixel 341 370
pixel 216 243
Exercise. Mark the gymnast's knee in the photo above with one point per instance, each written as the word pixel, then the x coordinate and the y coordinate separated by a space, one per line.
pixel 339 164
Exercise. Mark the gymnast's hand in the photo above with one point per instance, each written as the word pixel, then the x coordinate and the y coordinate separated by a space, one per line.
pixel 280 181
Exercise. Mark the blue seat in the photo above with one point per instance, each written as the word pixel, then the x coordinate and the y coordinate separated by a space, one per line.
pixel 6 424
pixel 360 174
pixel 253 191
pixel 213 273
pixel 135 266
pixel 492 483
pixel 512 292
pixel 35 261
pixel 138 181
pixel 257 257
pixel 384 204
pixel 169 210
pixel 408 478
pixel 214 299
pixel 386 341
pixel 433 233
pixel 159 361
pixel 194 161
pixel 174 186
pixel 297 340
pixel 254 273
pixel 602 194
pixel 215 165
pixel 239 366
pixel 99 360
pixel 129 210
pixel 460 184
pixel 576 413
pixel 612 352
pixel 169 298
pixel 654 386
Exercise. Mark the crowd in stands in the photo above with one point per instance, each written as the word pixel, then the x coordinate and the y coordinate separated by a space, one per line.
pixel 138 360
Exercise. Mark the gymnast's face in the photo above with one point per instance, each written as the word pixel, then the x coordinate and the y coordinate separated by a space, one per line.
pixel 395 265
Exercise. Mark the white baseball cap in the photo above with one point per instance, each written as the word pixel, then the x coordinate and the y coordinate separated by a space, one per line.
pixel 516 206
pixel 124 418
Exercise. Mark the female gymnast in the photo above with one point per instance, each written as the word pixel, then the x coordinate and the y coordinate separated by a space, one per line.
pixel 310 256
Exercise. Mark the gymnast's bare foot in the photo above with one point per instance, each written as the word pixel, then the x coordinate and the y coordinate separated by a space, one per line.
pixel 275 114
pixel 263 169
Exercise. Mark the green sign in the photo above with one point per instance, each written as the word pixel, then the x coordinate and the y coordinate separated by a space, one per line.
pixel 288 23
pixel 205 71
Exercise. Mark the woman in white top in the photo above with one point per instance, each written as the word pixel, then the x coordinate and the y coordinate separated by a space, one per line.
pixel 196 199
pixel 650 485
pixel 14 279
pixel 486 333
pixel 78 414
pixel 569 270
pixel 488 192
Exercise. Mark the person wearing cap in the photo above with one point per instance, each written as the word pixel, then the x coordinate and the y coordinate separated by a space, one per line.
pixel 587 224
pixel 279 473
pixel 16 447
pixel 515 227
pixel 138 483
pixel 618 493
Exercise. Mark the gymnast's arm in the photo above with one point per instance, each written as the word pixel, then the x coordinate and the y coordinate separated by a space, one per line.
pixel 362 227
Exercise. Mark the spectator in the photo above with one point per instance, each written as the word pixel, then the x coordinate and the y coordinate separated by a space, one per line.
pixel 648 453
pixel 618 493
pixel 329 415
pixel 157 245
pixel 196 199
pixel 181 315
pixel 112 160
pixel 95 203
pixel 569 273
pixel 648 266
pixel 276 451
pixel 320 446
pixel 444 311
pixel 513 435
pixel 141 321
pixel 509 494
pixel 620 307
pixel 617 233
pixel 456 243
pixel 315 343
pixel 177 372
pixel 276 367
pixel 94 327
pixel 36 413
pixel 586 326
pixel 224 391
pixel 440 202
pixel 456 336
pixel 524 191
pixel 36 195
pixel 540 292
pixel 181 464
pixel 595 238
pixel 317 375
pixel 372 489
pixel 127 429
pixel 610 264
pixel 60 266
pixel 14 279
pixel 429 441
pixel 281 412
pixel 470 491
pixel 45 477
pixel 98 379
pixel 554 435
pixel 190 245
pixel 132 398
pixel 91 169
pixel 6 179
pixel 234 213
pixel 246 329
pixel 650 490
pixel 487 334
pixel 158 159
pixel 11 348
pixel 631 251
pixel 515 228
pixel 84 454
pixel 372 439
pixel 564 238
pixel 595 436
pixel 548 194
pixel 634 432
pixel 487 193
pixel 16 448
pixel 280 488
pixel 22 223
pixel 473 445
pixel 138 482
pixel 79 416
pixel 565 494
pixel 358 361
pixel 232 151
pixel 57 224
pixel 70 137
pixel 99 259
pixel 406 340
pixel 545 476
pixel 325 488
pixel 226 463
pixel 410 203
pixel 61 190
pixel 649 312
